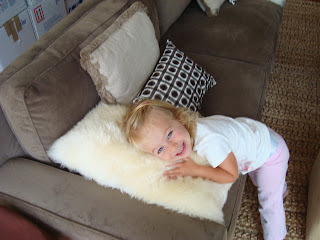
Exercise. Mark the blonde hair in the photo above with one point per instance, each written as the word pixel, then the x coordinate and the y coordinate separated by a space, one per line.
pixel 137 114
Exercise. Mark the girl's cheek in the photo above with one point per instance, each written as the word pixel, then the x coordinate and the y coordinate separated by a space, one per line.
pixel 162 155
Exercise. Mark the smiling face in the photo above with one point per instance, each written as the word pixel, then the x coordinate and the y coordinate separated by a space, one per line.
pixel 164 137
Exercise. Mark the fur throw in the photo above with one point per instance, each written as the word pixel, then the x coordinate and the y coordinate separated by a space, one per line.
pixel 98 150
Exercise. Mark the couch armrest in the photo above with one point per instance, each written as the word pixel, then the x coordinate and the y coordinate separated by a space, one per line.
pixel 313 212
pixel 74 205
pixel 9 146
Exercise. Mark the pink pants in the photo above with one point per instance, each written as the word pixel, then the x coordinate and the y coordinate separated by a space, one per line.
pixel 271 184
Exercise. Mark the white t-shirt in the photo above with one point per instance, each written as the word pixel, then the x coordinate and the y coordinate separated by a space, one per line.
pixel 248 139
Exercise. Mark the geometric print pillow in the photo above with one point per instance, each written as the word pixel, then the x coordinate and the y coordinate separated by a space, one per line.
pixel 178 80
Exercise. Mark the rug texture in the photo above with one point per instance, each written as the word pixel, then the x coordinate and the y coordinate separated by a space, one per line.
pixel 292 108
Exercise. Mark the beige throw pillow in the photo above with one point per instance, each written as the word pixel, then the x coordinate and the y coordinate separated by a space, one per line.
pixel 211 7
pixel 122 58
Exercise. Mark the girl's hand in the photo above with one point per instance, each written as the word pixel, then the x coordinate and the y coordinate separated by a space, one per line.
pixel 226 172
pixel 186 167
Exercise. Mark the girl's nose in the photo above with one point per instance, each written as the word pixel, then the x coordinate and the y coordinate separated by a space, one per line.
pixel 172 146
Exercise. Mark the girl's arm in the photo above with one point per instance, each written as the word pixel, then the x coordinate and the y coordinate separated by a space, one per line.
pixel 226 172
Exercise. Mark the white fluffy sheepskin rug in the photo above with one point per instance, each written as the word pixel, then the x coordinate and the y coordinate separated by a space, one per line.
pixel 98 150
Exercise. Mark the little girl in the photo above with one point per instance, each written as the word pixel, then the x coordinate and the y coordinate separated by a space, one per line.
pixel 230 146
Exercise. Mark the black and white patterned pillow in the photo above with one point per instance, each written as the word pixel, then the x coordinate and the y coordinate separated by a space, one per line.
pixel 178 80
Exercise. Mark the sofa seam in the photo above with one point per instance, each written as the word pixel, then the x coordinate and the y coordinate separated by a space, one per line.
pixel 18 140
pixel 228 58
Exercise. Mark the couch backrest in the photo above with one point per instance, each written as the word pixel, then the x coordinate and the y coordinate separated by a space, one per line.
pixel 169 11
pixel 45 91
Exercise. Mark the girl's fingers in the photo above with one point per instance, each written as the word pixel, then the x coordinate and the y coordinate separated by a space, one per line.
pixel 170 172
pixel 174 172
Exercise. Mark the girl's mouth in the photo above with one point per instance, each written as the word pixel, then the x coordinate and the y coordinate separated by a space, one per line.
pixel 181 150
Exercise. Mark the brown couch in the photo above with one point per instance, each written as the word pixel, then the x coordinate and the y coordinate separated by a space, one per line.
pixel 45 92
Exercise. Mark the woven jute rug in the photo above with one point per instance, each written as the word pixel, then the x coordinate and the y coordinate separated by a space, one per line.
pixel 292 108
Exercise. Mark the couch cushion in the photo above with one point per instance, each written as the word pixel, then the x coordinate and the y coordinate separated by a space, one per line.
pixel 245 31
pixel 169 11
pixel 240 88
pixel 122 58
pixel 49 91
pixel 88 205
pixel 241 65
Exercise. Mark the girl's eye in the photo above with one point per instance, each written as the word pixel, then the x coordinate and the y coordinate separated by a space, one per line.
pixel 160 150
pixel 170 134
